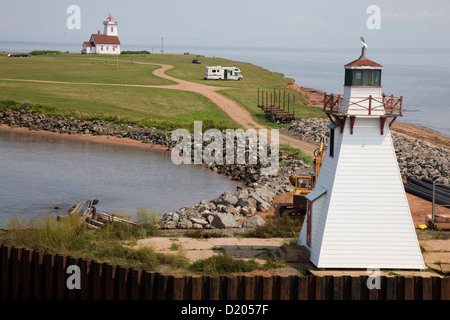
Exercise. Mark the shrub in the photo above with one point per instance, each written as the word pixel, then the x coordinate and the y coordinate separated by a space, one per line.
pixel 276 227
pixel 223 264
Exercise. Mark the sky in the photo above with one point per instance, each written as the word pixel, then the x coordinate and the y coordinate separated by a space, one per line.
pixel 234 23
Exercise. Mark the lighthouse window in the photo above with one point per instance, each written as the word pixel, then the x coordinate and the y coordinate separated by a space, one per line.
pixel 362 77
pixel 332 142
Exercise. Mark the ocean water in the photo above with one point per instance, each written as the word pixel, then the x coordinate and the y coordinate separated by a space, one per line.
pixel 421 76
pixel 38 173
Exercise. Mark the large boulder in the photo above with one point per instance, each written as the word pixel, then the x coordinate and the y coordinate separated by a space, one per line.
pixel 228 199
pixel 262 205
pixel 253 222
pixel 223 220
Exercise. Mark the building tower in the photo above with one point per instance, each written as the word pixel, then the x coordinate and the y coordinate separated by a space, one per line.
pixel 358 214
pixel 110 26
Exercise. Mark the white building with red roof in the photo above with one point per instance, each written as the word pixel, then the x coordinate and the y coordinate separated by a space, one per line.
pixel 106 43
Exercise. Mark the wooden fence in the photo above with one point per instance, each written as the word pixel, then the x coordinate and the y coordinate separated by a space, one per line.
pixel 32 275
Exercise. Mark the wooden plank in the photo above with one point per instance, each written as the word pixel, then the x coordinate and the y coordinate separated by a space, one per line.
pixel 96 280
pixel 356 288
pixel 338 288
pixel 400 282
pixel 214 288
pixel 391 288
pixel 285 288
pixel 409 288
pixel 149 286
pixel 427 289
pixel 197 287
pixel 16 273
pixel 178 286
pixel 249 288
pixel 445 288
pixel 109 274
pixel 320 288
pixel 5 281
pixel 135 285
pixel 121 282
pixel 60 281
pixel 37 266
pixel 267 284
pixel 49 276
pixel 26 271
pixel 302 288
pixel 364 289
pixel 86 284
pixel 232 287
pixel 72 294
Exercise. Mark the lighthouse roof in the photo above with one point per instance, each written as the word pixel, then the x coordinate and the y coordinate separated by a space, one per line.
pixel 104 39
pixel 363 61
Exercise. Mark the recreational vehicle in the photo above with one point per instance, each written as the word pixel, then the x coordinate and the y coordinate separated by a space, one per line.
pixel 222 73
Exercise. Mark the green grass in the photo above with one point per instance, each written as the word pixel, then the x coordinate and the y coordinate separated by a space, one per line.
pixel 109 244
pixel 276 227
pixel 224 264
pixel 79 68
pixel 297 153
pixel 93 97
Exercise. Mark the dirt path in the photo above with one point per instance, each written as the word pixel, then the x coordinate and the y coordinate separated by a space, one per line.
pixel 231 107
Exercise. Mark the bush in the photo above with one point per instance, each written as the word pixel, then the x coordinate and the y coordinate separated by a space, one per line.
pixel 296 153
pixel 276 227
pixel 223 264
pixel 42 52
pixel 136 52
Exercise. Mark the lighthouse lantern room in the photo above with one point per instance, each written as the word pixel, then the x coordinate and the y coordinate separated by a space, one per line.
pixel 358 214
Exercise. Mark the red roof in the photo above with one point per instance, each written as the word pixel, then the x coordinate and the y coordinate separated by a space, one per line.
pixel 89 44
pixel 104 39
pixel 363 62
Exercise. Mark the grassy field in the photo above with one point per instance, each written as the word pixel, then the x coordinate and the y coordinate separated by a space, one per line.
pixel 113 243
pixel 162 108
pixel 244 92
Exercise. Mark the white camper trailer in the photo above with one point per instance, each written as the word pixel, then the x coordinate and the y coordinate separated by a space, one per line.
pixel 222 73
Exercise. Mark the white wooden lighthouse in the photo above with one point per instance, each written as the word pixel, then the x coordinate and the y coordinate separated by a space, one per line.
pixel 358 214
pixel 106 43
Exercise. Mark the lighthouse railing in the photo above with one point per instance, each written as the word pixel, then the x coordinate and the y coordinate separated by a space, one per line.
pixel 389 105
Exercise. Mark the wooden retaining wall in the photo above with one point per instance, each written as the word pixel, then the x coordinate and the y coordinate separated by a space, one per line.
pixel 32 275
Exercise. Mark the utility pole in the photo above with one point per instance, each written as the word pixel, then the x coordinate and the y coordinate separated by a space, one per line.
pixel 162 45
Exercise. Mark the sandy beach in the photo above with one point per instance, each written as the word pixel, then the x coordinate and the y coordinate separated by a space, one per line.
pixel 108 140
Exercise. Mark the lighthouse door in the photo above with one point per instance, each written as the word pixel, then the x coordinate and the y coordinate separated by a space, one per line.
pixel 309 224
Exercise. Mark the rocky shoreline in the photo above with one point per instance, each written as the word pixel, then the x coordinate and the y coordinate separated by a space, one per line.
pixel 231 209
pixel 236 209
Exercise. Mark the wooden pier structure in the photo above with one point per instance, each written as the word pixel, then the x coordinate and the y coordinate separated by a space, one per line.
pixel 279 108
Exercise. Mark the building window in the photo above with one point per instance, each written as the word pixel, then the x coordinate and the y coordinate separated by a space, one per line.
pixel 332 142
pixel 101 48
pixel 112 29
pixel 360 77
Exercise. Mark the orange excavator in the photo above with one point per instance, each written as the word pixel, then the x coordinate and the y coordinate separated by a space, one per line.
pixel 303 184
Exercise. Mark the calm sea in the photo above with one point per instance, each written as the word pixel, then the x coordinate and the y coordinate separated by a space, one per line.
pixel 421 76
pixel 38 173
